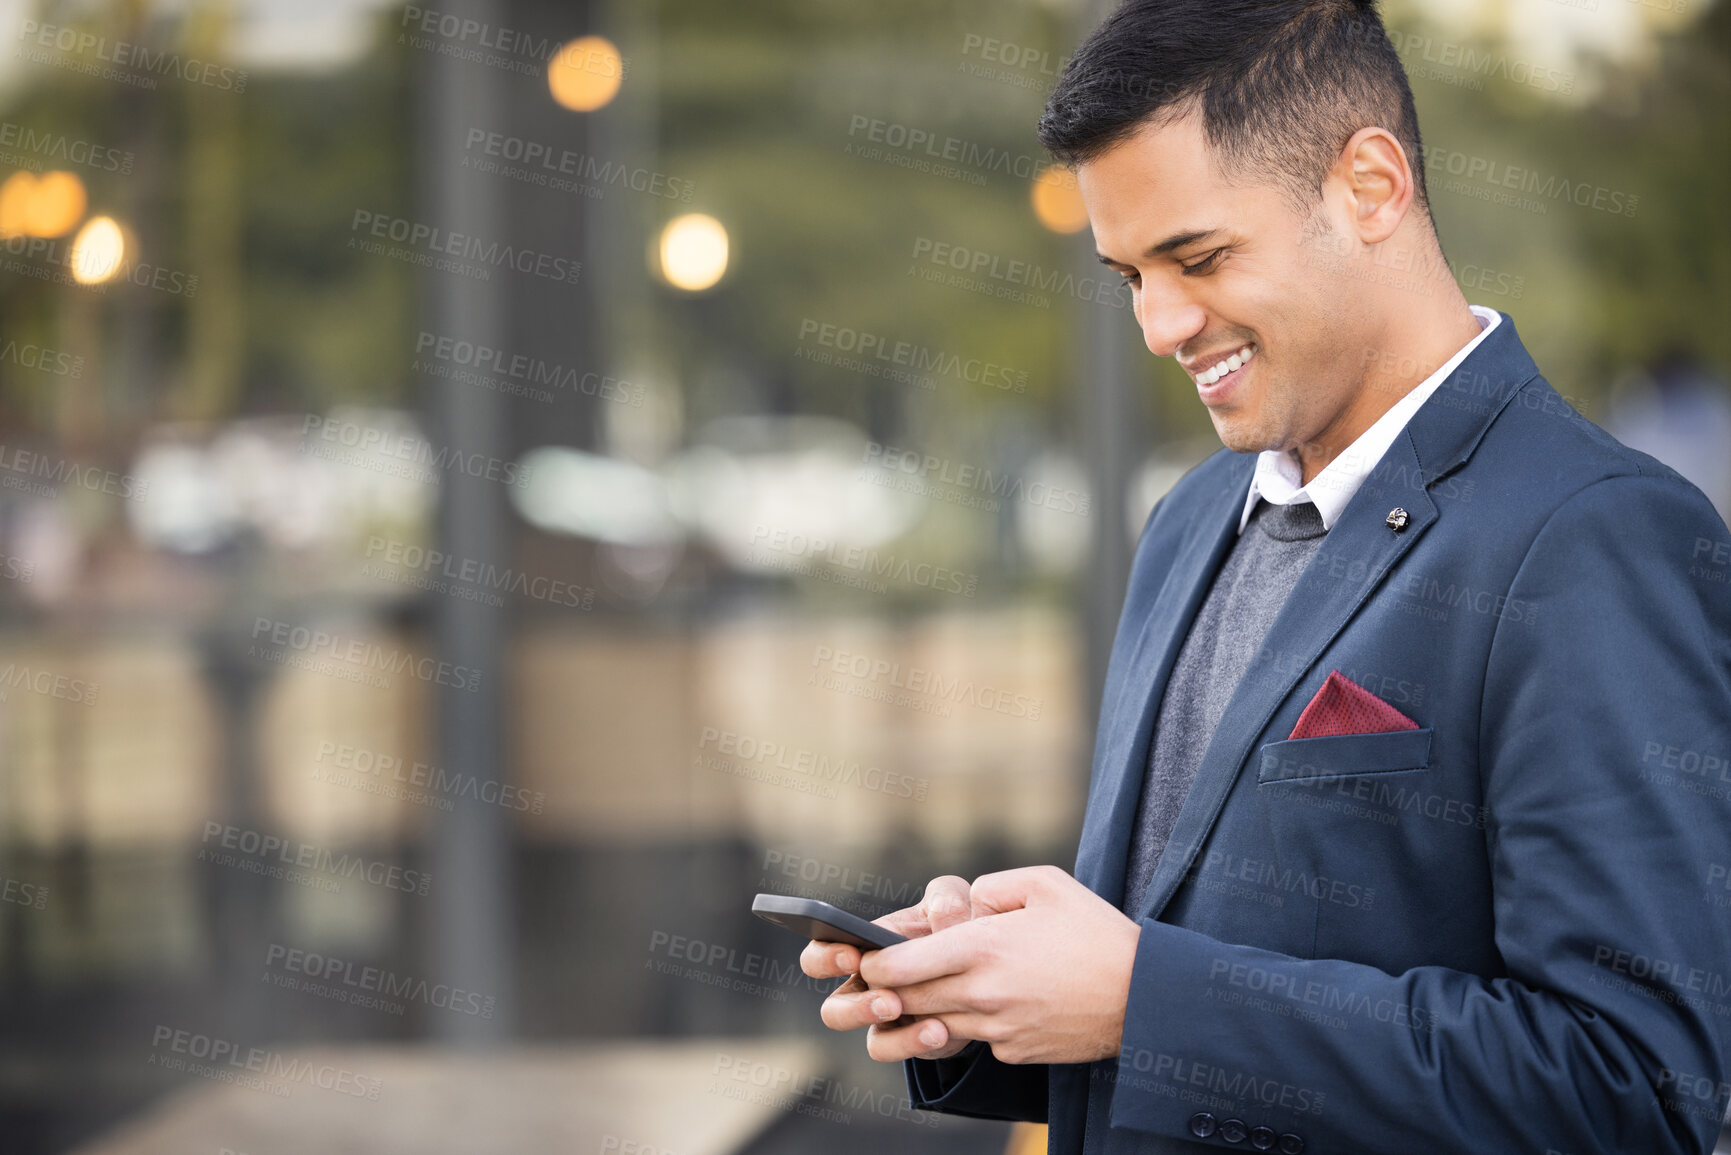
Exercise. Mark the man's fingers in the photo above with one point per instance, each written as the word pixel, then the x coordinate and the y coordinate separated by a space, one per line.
pixel 946 902
pixel 829 960
pixel 923 1039
pixel 967 1025
pixel 909 922
pixel 945 996
pixel 851 1006
pixel 924 959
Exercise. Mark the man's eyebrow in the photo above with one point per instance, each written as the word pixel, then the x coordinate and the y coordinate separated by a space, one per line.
pixel 1171 244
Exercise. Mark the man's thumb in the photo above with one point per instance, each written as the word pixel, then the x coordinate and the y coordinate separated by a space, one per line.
pixel 1011 889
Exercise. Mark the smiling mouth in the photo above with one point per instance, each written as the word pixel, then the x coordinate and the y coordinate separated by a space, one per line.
pixel 1232 364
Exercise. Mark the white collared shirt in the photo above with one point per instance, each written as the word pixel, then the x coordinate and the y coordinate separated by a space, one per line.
pixel 1278 474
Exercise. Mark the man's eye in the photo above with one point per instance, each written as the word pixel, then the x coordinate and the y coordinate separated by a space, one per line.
pixel 1206 264
pixel 1131 278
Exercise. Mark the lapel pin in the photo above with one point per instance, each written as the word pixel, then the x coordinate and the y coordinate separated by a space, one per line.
pixel 1397 519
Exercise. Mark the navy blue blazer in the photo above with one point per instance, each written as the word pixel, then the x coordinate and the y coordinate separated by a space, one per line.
pixel 1507 930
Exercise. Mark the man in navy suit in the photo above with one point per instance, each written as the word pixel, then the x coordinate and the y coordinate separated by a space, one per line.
pixel 1409 825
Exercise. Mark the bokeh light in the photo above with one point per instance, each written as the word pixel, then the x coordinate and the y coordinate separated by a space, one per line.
pixel 586 74
pixel 693 252
pixel 57 205
pixel 97 251
pixel 1057 200
pixel 49 205
pixel 15 197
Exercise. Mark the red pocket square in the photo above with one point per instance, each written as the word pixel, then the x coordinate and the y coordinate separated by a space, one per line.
pixel 1343 706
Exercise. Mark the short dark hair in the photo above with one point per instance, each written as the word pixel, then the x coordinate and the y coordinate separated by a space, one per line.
pixel 1282 85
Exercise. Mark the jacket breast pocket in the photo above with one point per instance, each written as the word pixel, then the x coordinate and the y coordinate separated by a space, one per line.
pixel 1343 755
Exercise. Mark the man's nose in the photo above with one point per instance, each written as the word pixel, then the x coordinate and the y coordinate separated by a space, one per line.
pixel 1168 319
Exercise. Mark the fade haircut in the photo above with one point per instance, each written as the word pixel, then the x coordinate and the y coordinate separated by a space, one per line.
pixel 1282 85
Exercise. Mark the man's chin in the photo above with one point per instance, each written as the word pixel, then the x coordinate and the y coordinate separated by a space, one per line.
pixel 1239 436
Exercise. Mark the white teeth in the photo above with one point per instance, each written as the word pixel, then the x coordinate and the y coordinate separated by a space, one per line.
pixel 1231 365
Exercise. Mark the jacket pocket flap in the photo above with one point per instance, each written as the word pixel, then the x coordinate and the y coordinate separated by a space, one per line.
pixel 1340 755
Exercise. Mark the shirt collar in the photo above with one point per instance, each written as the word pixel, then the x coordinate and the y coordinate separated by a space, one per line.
pixel 1278 474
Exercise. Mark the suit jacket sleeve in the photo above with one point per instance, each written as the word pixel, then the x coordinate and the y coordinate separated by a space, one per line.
pixel 1605 754
pixel 975 1083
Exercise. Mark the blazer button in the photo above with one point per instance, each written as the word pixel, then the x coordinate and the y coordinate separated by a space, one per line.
pixel 1234 1130
pixel 1202 1124
pixel 1291 1144
pixel 1261 1138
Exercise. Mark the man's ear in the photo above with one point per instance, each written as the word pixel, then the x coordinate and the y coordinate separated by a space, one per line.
pixel 1373 168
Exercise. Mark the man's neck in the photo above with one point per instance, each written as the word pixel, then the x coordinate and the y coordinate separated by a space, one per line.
pixel 1406 356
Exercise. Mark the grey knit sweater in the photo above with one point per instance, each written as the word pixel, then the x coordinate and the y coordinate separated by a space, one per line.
pixel 1247 594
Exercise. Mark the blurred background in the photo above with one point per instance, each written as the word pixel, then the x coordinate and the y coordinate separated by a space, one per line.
pixel 486 487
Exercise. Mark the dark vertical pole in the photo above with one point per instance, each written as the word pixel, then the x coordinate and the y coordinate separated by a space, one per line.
pixel 1111 446
pixel 472 932
pixel 1112 443
pixel 244 906
pixel 556 323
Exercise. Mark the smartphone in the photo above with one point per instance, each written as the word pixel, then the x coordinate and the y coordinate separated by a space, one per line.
pixel 815 919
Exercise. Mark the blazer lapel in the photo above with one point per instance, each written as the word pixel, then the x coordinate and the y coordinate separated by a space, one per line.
pixel 1127 718
pixel 1351 562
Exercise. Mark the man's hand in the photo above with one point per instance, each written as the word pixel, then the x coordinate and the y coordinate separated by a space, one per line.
pixel 1041 971
pixel 850 1006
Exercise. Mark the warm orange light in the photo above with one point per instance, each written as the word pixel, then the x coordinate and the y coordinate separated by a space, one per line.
pixel 97 251
pixel 15 197
pixel 40 206
pixel 57 205
pixel 1058 200
pixel 586 73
